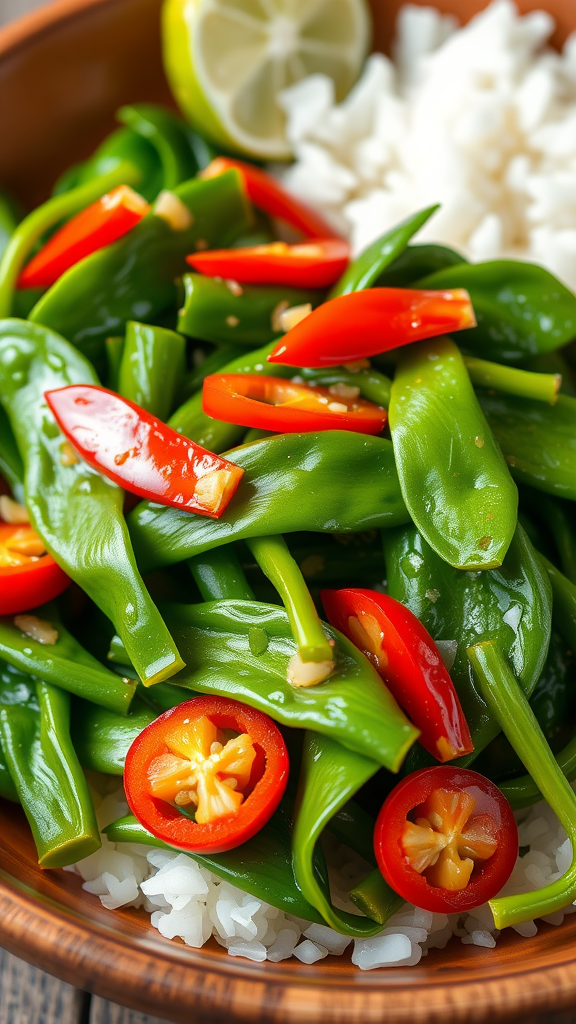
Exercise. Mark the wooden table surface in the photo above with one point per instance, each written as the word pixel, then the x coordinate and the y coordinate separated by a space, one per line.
pixel 29 996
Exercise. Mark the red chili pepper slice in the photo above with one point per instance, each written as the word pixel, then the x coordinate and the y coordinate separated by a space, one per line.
pixel 101 223
pixel 29 576
pixel 142 454
pixel 314 264
pixel 405 655
pixel 365 323
pixel 272 403
pixel 446 839
pixel 188 759
pixel 266 193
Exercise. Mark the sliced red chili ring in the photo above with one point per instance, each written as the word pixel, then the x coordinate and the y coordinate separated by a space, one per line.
pixel 271 403
pixel 405 655
pixel 29 576
pixel 446 839
pixel 225 762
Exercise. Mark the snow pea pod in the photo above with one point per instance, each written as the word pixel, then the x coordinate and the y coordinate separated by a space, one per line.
pixel 134 279
pixel 262 866
pixel 11 466
pixel 114 347
pixel 218 575
pixel 511 604
pixel 522 310
pixel 64 663
pixel 367 268
pixel 330 482
pixel 122 145
pixel 169 136
pixel 454 480
pixel 227 313
pixel 36 743
pixel 538 441
pixel 241 649
pixel 15 688
pixel 418 261
pixel 102 737
pixel 152 367
pixel 329 777
pixel 77 512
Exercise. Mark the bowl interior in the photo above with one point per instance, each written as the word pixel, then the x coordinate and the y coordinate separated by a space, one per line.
pixel 63 72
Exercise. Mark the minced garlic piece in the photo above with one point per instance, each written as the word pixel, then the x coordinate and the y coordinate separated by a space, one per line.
pixel 276 318
pixel 36 629
pixel 11 511
pixel 344 390
pixel 212 489
pixel 308 673
pixel 171 208
pixel 357 365
pixel 288 318
pixel 337 407
pixel 68 456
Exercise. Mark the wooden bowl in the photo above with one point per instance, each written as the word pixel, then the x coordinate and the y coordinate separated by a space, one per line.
pixel 63 72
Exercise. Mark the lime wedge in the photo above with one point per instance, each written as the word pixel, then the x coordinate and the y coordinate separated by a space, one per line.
pixel 227 60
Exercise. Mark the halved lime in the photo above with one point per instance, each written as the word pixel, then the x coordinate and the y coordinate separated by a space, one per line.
pixel 227 60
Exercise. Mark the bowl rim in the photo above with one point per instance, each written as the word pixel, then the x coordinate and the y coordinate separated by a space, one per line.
pixel 101 959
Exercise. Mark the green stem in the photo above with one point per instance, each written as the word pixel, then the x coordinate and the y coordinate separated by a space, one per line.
pixel 543 387
pixel 220 576
pixel 46 216
pixel 511 709
pixel 277 564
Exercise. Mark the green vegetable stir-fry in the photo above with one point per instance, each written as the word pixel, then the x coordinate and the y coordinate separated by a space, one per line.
pixel 212 440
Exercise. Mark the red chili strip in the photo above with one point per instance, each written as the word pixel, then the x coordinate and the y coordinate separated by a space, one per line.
pixel 365 323
pixel 272 403
pixel 142 454
pixel 405 655
pixel 100 224
pixel 315 264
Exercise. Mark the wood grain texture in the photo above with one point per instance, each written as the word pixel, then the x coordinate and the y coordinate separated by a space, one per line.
pixel 63 71
pixel 103 1012
pixel 29 996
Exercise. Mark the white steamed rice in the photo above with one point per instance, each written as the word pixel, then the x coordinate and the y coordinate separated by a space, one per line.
pixel 480 119
pixel 187 902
